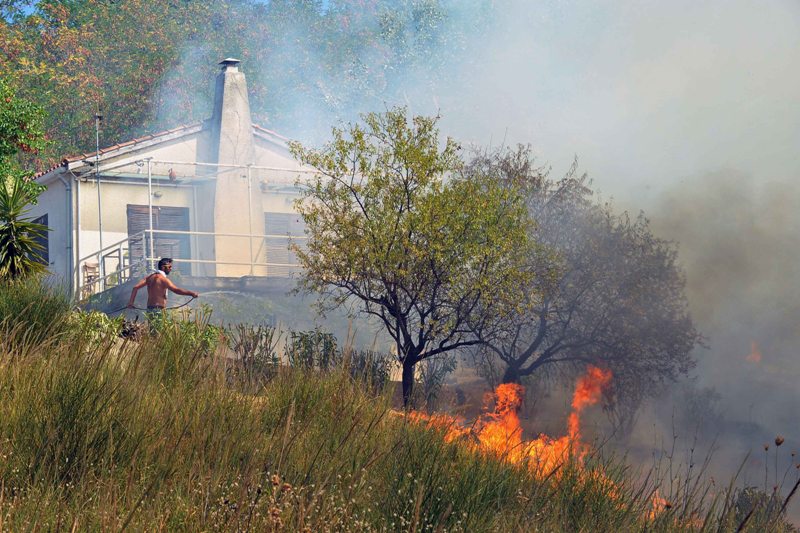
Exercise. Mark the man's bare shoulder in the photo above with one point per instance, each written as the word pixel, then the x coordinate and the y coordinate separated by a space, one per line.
pixel 161 279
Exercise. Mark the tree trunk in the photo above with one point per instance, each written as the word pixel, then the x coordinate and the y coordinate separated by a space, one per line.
pixel 511 375
pixel 408 381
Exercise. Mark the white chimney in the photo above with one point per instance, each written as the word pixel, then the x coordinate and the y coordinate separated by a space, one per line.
pixel 231 143
pixel 232 126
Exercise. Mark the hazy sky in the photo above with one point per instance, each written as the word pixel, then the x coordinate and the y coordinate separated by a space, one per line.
pixel 645 93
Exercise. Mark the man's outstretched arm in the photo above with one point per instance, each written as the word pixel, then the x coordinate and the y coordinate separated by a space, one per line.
pixel 183 292
pixel 135 290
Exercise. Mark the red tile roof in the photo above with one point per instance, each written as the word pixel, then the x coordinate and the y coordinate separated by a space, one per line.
pixel 137 140
pixel 91 155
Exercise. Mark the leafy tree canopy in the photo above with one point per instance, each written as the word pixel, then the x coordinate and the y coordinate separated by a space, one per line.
pixel 437 257
pixel 21 134
pixel 148 64
pixel 618 299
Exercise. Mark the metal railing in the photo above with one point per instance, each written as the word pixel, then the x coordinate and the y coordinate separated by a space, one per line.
pixel 136 255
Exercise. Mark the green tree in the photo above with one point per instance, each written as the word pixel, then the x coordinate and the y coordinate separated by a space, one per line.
pixel 21 131
pixel 618 298
pixel 146 64
pixel 393 227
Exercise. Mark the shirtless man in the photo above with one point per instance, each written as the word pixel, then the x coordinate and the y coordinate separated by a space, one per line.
pixel 157 287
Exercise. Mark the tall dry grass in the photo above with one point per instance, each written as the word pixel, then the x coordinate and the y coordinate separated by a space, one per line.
pixel 97 433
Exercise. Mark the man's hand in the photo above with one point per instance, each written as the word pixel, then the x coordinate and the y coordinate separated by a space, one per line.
pixel 195 294
pixel 130 305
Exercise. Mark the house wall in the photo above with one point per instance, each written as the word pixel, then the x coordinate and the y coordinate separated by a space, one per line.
pixel 184 148
pixel 269 154
pixel 272 191
pixel 53 203
pixel 115 197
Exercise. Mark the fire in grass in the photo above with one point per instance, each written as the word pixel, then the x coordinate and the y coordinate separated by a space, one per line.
pixel 500 434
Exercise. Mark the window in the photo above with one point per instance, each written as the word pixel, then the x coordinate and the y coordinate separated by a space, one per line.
pixel 165 218
pixel 279 227
pixel 43 240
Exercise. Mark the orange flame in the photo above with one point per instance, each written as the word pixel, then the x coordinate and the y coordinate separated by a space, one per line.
pixel 587 393
pixel 659 504
pixel 500 433
pixel 755 354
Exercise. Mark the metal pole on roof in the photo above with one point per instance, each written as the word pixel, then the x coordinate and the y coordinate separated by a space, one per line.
pixel 150 209
pixel 97 118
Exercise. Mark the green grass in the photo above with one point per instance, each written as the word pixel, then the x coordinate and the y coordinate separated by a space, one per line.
pixel 38 311
pixel 101 434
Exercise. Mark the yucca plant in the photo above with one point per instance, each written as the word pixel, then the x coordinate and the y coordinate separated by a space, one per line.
pixel 19 248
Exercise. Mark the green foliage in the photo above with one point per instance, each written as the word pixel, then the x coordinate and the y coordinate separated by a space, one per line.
pixel 189 327
pixel 434 256
pixel 94 326
pixel 369 368
pixel 21 130
pixel 320 350
pixel 35 309
pixel 145 64
pixel 19 248
pixel 256 347
pixel 312 349
pixel 21 124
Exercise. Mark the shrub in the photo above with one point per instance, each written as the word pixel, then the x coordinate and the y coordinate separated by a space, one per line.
pixel 255 345
pixel 312 349
pixel 94 326
pixel 38 308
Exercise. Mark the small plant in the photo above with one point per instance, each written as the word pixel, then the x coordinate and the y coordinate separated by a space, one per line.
pixel 370 367
pixel 255 345
pixel 20 250
pixel 431 377
pixel 35 306
pixel 94 326
pixel 312 349
pixel 753 505
pixel 191 326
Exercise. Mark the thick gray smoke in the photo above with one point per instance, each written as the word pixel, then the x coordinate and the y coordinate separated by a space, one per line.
pixel 739 244
pixel 687 110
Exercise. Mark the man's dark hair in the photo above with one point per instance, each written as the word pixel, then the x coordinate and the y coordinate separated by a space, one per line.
pixel 163 262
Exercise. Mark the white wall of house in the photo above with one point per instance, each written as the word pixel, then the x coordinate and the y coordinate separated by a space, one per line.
pixel 116 196
pixel 53 203
pixel 217 196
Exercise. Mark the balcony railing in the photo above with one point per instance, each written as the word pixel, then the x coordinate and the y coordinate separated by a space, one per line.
pixel 133 257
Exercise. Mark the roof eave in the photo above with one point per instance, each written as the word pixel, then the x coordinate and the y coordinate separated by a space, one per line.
pixel 81 162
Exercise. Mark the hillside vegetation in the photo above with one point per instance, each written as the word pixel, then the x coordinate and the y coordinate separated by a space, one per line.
pixel 166 434
pixel 147 65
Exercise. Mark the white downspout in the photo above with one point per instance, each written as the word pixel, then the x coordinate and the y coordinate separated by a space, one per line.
pixel 78 280
pixel 194 243
pixel 70 258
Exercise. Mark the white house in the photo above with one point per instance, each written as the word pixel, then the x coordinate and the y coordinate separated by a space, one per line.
pixel 216 196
